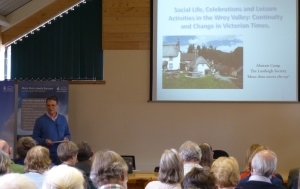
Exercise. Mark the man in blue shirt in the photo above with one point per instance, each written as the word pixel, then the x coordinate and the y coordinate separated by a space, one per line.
pixel 51 128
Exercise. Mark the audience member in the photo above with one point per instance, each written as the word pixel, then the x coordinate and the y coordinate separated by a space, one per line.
pixel 67 154
pixel 190 154
pixel 293 177
pixel 226 173
pixel 207 155
pixel 109 170
pixel 63 177
pixel 24 144
pixel 37 161
pixel 249 152
pixel 276 177
pixel 84 154
pixel 15 168
pixel 4 163
pixel 295 185
pixel 198 178
pixel 170 171
pixel 263 167
pixel 16 181
pixel 84 159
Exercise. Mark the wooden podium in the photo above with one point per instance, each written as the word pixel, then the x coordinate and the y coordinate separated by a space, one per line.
pixel 139 179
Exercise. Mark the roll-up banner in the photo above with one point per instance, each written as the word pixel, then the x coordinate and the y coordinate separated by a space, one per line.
pixel 7 111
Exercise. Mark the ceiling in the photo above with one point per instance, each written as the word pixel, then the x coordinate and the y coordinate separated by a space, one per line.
pixel 14 11
pixel 18 17
pixel 9 6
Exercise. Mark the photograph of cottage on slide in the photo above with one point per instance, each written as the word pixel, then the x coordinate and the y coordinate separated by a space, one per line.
pixel 202 62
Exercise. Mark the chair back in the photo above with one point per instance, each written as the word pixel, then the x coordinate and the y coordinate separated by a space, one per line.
pixel 220 153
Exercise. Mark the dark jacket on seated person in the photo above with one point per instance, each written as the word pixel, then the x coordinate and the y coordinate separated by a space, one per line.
pixel 274 180
pixel 295 185
pixel 258 185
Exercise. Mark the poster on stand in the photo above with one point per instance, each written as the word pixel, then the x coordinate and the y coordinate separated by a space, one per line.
pixel 7 111
pixel 32 97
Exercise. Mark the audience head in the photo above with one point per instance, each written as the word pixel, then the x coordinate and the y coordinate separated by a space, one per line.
pixel 37 159
pixel 190 152
pixel 4 163
pixel 67 151
pixel 249 152
pixel 171 167
pixel 258 149
pixel 5 147
pixel 264 163
pixel 16 181
pixel 24 144
pixel 62 177
pixel 109 168
pixel 84 152
pixel 225 171
pixel 207 155
pixel 198 178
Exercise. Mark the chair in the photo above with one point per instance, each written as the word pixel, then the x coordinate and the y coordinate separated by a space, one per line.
pixel 220 153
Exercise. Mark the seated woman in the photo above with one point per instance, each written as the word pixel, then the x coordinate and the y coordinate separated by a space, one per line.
pixel 225 171
pixel 198 178
pixel 170 171
pixel 37 162
pixel 207 155
pixel 249 152
pixel 24 144
pixel 62 177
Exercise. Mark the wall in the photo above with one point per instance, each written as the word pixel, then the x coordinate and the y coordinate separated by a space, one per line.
pixel 118 116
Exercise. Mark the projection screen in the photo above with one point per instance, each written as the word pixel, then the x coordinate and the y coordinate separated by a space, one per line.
pixel 224 50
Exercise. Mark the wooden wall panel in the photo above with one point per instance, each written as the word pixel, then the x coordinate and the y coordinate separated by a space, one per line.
pixel 126 24
pixel 125 3
pixel 128 12
pixel 126 37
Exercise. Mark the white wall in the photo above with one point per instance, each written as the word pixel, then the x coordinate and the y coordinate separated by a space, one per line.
pixel 118 116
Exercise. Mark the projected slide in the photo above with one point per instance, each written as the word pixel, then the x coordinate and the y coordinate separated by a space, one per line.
pixel 227 50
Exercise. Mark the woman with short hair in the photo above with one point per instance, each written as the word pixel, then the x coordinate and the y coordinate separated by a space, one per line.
pixel 63 177
pixel 226 173
pixel 24 144
pixel 16 180
pixel 37 161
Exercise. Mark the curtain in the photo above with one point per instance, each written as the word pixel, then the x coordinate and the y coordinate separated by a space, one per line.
pixel 70 48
